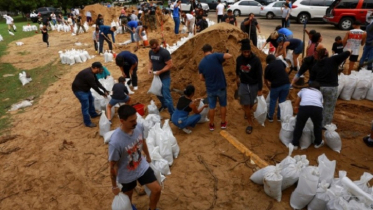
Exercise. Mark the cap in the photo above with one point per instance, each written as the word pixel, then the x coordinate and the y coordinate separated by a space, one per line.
pixel 280 39
pixel 97 65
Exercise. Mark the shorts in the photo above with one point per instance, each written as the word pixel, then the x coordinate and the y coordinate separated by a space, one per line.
pixel 299 49
pixel 137 37
pixel 219 94
pixel 89 19
pixel 113 101
pixel 145 179
pixel 247 94
pixel 354 58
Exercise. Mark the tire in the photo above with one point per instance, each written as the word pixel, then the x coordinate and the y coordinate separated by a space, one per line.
pixel 303 17
pixel 345 23
pixel 237 12
pixel 270 15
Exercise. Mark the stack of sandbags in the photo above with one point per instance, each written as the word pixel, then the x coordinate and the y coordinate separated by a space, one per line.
pixel 357 85
pixel 73 56
pixel 178 43
pixel 29 28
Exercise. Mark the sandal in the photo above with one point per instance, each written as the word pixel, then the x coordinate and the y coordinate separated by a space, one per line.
pixel 249 129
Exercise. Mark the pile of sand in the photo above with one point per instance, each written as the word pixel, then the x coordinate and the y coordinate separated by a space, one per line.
pixel 109 14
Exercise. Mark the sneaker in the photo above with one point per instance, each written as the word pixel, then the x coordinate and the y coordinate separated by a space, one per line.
pixel 162 109
pixel 223 125
pixel 367 141
pixel 320 145
pixel 269 118
pixel 212 127
pixel 92 125
pixel 135 88
pixel 187 131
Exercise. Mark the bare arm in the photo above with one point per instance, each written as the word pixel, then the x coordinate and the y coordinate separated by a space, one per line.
pixel 296 104
pixel 201 77
pixel 364 39
pixel 121 69
pixel 227 56
pixel 267 84
pixel 345 39
pixel 113 176
pixel 150 69
pixel 168 66
pixel 194 107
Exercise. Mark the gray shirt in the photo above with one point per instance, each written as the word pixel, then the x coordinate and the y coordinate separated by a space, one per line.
pixel 134 17
pixel 159 60
pixel 126 150
pixel 285 12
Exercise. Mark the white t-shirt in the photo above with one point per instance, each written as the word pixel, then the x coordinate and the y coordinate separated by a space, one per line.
pixel 354 40
pixel 220 9
pixel 310 97
pixel 76 11
pixel 189 17
pixel 88 14
pixel 9 20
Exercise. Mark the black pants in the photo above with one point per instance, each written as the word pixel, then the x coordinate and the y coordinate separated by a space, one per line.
pixel 254 39
pixel 101 40
pixel 220 18
pixel 45 39
pixel 283 22
pixel 305 112
pixel 133 78
pixel 95 44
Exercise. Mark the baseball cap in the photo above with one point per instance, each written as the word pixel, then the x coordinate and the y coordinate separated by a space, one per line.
pixel 97 65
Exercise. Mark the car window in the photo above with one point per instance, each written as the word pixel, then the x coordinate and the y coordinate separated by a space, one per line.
pixel 185 1
pixel 328 2
pixel 368 4
pixel 253 3
pixel 306 2
pixel 317 3
pixel 278 4
pixel 42 9
pixel 244 3
pixel 347 4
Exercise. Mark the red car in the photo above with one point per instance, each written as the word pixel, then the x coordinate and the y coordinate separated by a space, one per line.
pixel 343 12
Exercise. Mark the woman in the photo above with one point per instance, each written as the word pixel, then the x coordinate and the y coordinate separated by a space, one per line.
pixel 275 73
pixel 290 44
pixel 285 15
pixel 70 23
pixel 325 72
pixel 273 40
pixel 186 104
pixel 44 32
pixel 60 19
pixel 309 105
pixel 139 33
pixel 316 39
pixel 99 21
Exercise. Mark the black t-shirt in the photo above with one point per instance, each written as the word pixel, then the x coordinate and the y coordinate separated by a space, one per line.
pixel 183 104
pixel 307 64
pixel 203 24
pixel 99 22
pixel 85 80
pixel 337 48
pixel 250 70
pixel 120 91
pixel 79 19
pixel 152 10
pixel 146 9
pixel 159 60
pixel 272 41
pixel 246 28
pixel 232 19
pixel 275 72
pixel 294 43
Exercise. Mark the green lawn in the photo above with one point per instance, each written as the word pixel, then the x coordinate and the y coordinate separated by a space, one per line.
pixel 11 89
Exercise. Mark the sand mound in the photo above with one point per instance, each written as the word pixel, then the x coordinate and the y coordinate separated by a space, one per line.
pixel 109 14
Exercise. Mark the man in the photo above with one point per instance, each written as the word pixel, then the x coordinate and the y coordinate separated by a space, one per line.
pixel 80 25
pixel 352 41
pixel 83 82
pixel 103 73
pixel 249 25
pixel 160 64
pixel 133 16
pixel 290 7
pixel 127 164
pixel 53 18
pixel 9 22
pixel 368 48
pixel 202 24
pixel 189 20
pixel 152 18
pixel 127 63
pixel 176 15
pixel 104 32
pixel 123 20
pixel 132 25
pixel 230 18
pixel 220 11
pixel 146 14
pixel 211 71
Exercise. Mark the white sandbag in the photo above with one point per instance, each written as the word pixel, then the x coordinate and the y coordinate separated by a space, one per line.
pixel 110 57
pixel 369 94
pixel 152 108
pixel 306 188
pixel 356 191
pixel 321 198
pixel 121 202
pixel 362 86
pixel 172 140
pixel 23 78
pixel 128 87
pixel 14 27
pixel 337 202
pixel 77 59
pixel 326 169
pixel 286 110
pixel 82 57
pixel 268 99
pixel 332 138
pixel 307 136
pixel 104 124
pixel 272 184
pixel 106 56
pixel 363 183
pixel 11 33
pixel 288 160
pixel 281 58
pixel 260 113
pixel 1 38
pixel 157 174
pixel 156 86
pixel 20 105
pixel 159 163
pixel 341 83
pixel 287 130
pixel 204 113
pixel 303 159
pixel 258 176
pixel 349 87
pixel 165 148
pixel 291 174
pixel 149 122
pixel 107 136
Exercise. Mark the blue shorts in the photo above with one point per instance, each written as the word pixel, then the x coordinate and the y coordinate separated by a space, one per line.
pixel 298 50
pixel 113 101
pixel 218 94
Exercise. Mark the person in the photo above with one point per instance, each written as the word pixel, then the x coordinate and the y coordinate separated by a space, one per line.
pixel 202 24
pixel 44 32
pixel 73 15
pixel 88 17
pixel 249 25
pixel 316 40
pixel 152 18
pixel 99 21
pixel 79 24
pixel 132 25
pixel 275 74
pixel 9 22
pixel 309 34
pixel 123 21
pixel 139 13
pixel 368 140
pixel 352 41
pixel 309 105
pixel 127 163
pixel 128 63
pixel 285 15
pixel 284 31
pixel 211 71
pixel 220 11
pixel 337 45
pixel 290 44
pixel 199 15
pixel 185 105
pixel 160 63
pixel 139 33
pixel 70 23
pixel 103 73
pixel 189 20
pixel 60 19
pixel 325 72
pixel 83 82
pixel 134 16
pixel 120 95
pixel 146 14
pixel 230 18
pixel 290 7
pixel 95 38
pixel 368 48
pixel 272 39
pixel 104 32
pixel 53 18
pixel 249 80
pixel 176 15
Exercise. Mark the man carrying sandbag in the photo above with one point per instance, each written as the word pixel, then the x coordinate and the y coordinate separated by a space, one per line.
pixel 127 164
pixel 160 64
pixel 83 82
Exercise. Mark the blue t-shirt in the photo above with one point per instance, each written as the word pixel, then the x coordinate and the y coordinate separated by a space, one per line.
pixel 104 74
pixel 212 70
pixel 175 12
pixel 129 59
pixel 132 24
pixel 285 32
pixel 126 150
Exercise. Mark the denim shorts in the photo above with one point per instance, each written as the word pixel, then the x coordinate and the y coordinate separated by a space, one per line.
pixel 218 94
pixel 113 101
pixel 298 50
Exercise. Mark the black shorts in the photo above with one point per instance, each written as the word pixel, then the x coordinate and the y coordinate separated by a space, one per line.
pixel 147 178
pixel 354 58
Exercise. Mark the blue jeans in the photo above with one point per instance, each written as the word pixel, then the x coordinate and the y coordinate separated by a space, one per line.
pixel 367 53
pixel 182 119
pixel 221 95
pixel 166 99
pixel 132 34
pixel 177 24
pixel 280 94
pixel 88 109
pixel 54 21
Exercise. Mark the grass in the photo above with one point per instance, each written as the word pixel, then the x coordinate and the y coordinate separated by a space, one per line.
pixel 11 89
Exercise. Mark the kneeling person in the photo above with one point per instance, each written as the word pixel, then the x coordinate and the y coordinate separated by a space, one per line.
pixel 120 95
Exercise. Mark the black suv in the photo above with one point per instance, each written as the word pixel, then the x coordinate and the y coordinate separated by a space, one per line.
pixel 45 12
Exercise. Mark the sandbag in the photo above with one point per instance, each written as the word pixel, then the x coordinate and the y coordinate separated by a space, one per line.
pixel 363 183
pixel 291 174
pixel 287 130
pixel 165 148
pixel 172 140
pixel 23 78
pixel 349 87
pixel 107 136
pixel 307 136
pixel 288 160
pixel 362 86
pixel 369 94
pixel 258 176
pixel 281 58
pixel 356 191
pixel 159 163
pixel 303 159
pixel 104 124
pixel 260 113
pixel 121 202
pixel 341 83
pixel 152 108
pixel 286 110
pixel 20 105
pixel 321 198
pixel 156 86
pixel 326 168
pixel 272 184
pixel 332 138
pixel 77 59
pixel 204 113
pixel 157 174
pixel 337 202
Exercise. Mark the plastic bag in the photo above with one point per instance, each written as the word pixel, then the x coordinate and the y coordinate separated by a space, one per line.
pixel 107 136
pixel 121 202
pixel 272 184
pixel 357 191
pixel 321 198
pixel 332 138
pixel 363 183
pixel 286 110
pixel 258 176
pixel 204 113
pixel 287 130
pixel 174 146
pixel 104 124
pixel 260 113
pixel 156 86
pixel 152 108
pixel 349 87
pixel 326 168
pixel 23 78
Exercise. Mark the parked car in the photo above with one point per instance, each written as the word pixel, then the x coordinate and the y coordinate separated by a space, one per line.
pixel 272 10
pixel 245 7
pixel 186 5
pixel 227 2
pixel 304 10
pixel 212 3
pixel 45 12
pixel 343 12
pixel 267 2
